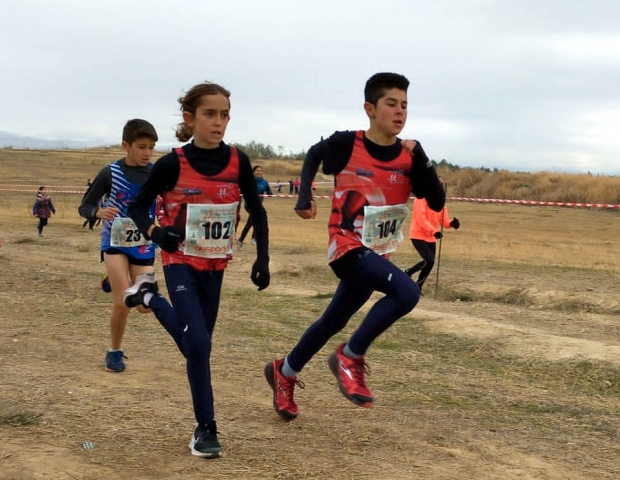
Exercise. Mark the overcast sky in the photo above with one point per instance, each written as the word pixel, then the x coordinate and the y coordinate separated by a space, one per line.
pixel 524 85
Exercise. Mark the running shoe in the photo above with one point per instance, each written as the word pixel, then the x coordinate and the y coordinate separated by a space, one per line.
pixel 114 361
pixel 105 283
pixel 204 441
pixel 283 389
pixel 351 373
pixel 134 295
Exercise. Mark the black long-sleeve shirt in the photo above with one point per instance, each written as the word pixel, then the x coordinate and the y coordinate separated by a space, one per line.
pixel 334 152
pixel 102 185
pixel 208 162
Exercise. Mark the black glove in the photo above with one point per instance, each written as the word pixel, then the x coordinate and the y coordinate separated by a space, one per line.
pixel 260 273
pixel 438 235
pixel 167 238
pixel 455 223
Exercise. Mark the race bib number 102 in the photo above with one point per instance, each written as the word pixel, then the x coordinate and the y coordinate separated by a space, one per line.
pixel 210 229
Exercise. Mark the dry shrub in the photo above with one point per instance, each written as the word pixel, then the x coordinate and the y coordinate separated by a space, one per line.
pixel 540 186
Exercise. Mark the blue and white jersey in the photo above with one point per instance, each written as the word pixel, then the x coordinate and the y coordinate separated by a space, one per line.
pixel 121 233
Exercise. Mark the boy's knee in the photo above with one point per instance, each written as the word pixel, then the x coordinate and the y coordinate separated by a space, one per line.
pixel 409 297
pixel 120 307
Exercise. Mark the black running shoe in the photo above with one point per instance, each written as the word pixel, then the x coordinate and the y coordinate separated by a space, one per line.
pixel 204 441
pixel 134 295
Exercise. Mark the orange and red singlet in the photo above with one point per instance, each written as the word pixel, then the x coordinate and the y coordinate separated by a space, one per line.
pixel 195 188
pixel 365 181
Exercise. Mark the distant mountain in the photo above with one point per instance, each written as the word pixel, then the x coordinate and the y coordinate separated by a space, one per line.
pixel 12 140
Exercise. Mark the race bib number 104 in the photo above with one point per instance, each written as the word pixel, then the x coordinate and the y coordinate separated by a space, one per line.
pixel 382 227
pixel 210 229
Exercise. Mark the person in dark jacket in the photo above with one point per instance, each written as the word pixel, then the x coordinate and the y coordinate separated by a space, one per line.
pixel 263 189
pixel 43 209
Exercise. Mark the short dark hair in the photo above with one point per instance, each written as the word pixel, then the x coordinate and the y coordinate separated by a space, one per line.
pixel 256 167
pixel 138 128
pixel 379 83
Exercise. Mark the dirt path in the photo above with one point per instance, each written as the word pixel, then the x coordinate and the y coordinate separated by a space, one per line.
pixel 468 390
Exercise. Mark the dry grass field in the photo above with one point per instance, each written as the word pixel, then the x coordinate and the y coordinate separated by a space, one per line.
pixel 511 370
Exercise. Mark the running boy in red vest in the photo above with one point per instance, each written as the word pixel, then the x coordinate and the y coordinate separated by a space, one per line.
pixel 374 176
pixel 201 185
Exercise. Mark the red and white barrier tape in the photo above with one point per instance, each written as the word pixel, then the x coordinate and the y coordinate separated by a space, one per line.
pixel 538 203
pixel 607 206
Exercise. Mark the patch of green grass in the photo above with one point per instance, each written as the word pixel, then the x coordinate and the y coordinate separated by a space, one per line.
pixel 591 378
pixel 84 248
pixel 20 419
pixel 297 250
pixel 24 240
pixel 290 273
pixel 324 295
pixel 453 295
pixel 387 345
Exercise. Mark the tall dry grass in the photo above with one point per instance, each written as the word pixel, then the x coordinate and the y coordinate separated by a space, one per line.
pixel 543 186
pixel 73 167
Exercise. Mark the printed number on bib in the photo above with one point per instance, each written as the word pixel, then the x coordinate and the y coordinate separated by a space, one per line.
pixel 125 234
pixel 210 229
pixel 382 227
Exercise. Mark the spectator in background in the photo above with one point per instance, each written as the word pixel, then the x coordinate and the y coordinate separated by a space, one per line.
pixel 43 209
pixel 263 189
pixel 425 230
pixel 92 222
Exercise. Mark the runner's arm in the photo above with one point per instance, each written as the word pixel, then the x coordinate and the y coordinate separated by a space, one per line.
pixel 102 185
pixel 424 180
pixel 334 152
pixel 164 176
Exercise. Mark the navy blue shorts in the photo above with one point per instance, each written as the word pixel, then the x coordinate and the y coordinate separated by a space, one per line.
pixel 142 262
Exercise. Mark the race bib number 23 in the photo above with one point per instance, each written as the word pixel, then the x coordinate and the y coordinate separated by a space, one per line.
pixel 125 233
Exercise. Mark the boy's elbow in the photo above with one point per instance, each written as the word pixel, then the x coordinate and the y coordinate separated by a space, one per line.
pixel 133 209
pixel 436 203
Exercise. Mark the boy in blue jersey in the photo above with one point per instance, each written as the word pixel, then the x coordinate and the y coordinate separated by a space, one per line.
pixel 125 252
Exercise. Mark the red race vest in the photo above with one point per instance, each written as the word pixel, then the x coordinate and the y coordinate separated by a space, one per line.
pixel 364 181
pixel 195 188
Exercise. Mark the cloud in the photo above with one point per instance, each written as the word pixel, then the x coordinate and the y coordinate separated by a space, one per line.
pixel 525 85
